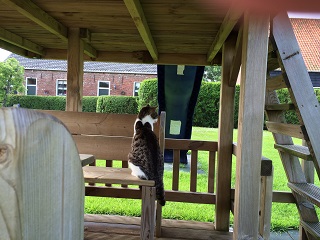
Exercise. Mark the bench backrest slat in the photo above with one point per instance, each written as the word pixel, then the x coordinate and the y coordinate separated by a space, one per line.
pixel 104 147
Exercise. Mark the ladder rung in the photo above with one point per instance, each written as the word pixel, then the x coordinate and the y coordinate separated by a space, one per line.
pixel 292 130
pixel 312 228
pixel 307 190
pixel 279 107
pixel 296 150
pixel 276 82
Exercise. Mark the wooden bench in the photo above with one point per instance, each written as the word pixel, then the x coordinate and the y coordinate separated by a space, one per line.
pixel 108 137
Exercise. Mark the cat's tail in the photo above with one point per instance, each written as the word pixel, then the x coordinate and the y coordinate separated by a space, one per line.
pixel 160 193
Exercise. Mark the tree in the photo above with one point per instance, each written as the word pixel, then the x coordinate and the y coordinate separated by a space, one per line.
pixel 212 73
pixel 11 79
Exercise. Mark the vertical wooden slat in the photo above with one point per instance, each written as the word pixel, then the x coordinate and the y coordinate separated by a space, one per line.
pixel 75 71
pixel 226 122
pixel 108 164
pixel 250 129
pixel 124 165
pixel 193 170
pixel 175 170
pixel 307 167
pixel 211 171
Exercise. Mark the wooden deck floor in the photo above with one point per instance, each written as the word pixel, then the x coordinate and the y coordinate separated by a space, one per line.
pixel 98 227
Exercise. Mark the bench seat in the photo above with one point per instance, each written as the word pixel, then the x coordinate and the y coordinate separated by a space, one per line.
pixel 111 175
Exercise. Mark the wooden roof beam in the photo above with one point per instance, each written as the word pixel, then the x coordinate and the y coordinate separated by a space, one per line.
pixel 18 41
pixel 18 50
pixel 135 9
pixel 227 26
pixel 235 67
pixel 30 10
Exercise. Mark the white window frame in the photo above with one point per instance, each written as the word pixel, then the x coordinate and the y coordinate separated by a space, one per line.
pixel 31 85
pixel 98 88
pixel 60 88
pixel 134 88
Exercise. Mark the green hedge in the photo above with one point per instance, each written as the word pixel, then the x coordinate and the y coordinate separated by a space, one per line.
pixel 50 102
pixel 148 93
pixel 117 104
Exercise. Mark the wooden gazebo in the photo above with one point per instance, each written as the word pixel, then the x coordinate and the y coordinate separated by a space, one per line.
pixel 186 32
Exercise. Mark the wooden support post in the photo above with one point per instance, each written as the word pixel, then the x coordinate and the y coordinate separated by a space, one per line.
pixel 148 212
pixel 226 121
pixel 75 71
pixel 250 128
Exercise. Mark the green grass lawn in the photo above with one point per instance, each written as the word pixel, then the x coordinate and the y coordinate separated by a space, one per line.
pixel 284 216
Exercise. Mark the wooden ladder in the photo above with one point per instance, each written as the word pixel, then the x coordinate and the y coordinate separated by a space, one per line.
pixel 284 53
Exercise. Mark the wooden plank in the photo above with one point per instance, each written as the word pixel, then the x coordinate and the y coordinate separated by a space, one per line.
pixel 293 130
pixel 175 170
pixel 86 159
pixel 265 205
pixel 19 41
pixel 296 150
pixel 193 171
pixel 226 27
pixel 41 176
pixel 137 14
pixel 185 144
pixel 75 71
pixel 148 212
pixel 134 193
pixel 301 88
pixel 211 171
pixel 113 176
pixel 276 82
pixel 194 59
pixel 36 14
pixel 13 48
pixel 226 122
pixel 279 107
pixel 97 123
pixel 251 113
pixel 102 147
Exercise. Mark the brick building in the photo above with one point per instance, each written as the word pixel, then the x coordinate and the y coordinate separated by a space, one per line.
pixel 49 77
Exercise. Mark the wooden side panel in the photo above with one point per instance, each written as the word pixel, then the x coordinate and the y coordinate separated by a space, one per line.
pixel 251 112
pixel 41 176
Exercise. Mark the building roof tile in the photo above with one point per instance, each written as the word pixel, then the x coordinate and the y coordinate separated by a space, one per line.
pixel 92 66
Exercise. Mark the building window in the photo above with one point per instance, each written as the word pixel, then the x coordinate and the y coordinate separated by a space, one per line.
pixel 103 88
pixel 31 86
pixel 136 86
pixel 61 87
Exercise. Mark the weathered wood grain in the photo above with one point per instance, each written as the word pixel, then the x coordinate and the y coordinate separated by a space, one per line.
pixel 41 176
pixel 251 112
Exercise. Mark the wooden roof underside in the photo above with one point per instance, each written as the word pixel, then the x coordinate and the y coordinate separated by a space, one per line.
pixel 158 31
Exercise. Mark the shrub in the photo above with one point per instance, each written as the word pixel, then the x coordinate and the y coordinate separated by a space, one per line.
pixel 38 102
pixel 117 104
pixel 148 93
pixel 89 104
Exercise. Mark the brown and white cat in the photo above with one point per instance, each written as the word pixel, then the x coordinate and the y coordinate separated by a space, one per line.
pixel 145 158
